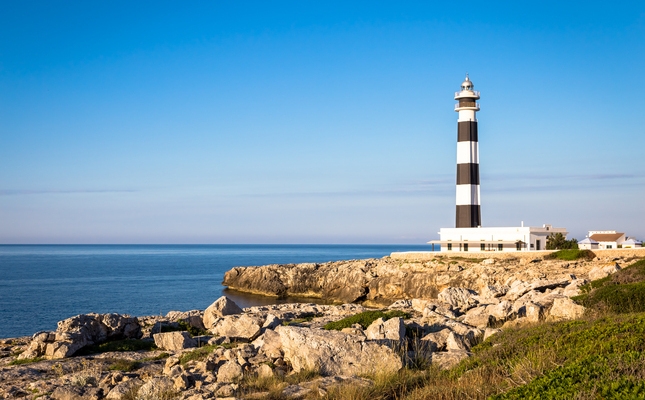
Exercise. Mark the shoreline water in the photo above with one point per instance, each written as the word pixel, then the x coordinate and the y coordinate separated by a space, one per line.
pixel 43 284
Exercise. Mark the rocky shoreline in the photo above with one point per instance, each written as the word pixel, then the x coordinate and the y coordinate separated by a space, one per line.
pixel 304 349
pixel 380 282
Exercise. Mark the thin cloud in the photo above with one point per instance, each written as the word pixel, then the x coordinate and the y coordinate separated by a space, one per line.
pixel 19 192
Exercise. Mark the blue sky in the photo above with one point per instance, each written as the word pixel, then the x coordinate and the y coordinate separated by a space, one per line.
pixel 302 122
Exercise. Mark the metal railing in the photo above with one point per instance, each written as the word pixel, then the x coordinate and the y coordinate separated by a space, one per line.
pixel 467 105
pixel 474 92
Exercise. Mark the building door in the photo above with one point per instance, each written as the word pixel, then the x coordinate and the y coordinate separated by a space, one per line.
pixel 537 245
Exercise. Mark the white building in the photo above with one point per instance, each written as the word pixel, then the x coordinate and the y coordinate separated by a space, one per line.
pixel 588 244
pixel 608 239
pixel 632 243
pixel 519 238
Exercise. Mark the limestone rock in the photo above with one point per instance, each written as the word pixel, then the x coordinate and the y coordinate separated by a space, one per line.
pixel 264 371
pixel 231 371
pixel 220 308
pixel 437 340
pixel 448 359
pixel 192 318
pixel 455 342
pixel 335 353
pixel 459 297
pixel 602 272
pixel 490 332
pixel 124 389
pixel 564 308
pixel 392 329
pixel 478 316
pixel 82 330
pixel 174 341
pixel 269 344
pixel 243 326
pixel 156 388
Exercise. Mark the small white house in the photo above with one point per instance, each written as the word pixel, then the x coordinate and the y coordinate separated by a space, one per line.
pixel 608 239
pixel 588 244
pixel 632 243
pixel 519 238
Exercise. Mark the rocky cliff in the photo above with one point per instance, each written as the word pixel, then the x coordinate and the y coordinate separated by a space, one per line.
pixel 383 281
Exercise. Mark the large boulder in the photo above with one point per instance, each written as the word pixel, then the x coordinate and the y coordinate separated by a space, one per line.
pixel 243 326
pixel 174 341
pixel 564 308
pixel 335 353
pixel 458 297
pixel 392 329
pixel 192 318
pixel 220 308
pixel 602 272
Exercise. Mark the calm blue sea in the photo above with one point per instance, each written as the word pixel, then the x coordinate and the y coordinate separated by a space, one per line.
pixel 42 284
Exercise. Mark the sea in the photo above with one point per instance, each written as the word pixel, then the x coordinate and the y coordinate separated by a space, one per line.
pixel 43 284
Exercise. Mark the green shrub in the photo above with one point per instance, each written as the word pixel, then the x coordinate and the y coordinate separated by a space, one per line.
pixel 571 254
pixel 26 361
pixel 364 319
pixel 621 292
pixel 615 298
pixel 198 354
pixel 183 326
pixel 118 345
pixel 124 365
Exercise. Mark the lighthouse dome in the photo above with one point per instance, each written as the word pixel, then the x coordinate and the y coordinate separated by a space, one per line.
pixel 467 84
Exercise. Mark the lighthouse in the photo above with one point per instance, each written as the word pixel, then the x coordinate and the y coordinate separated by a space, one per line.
pixel 468 234
pixel 468 203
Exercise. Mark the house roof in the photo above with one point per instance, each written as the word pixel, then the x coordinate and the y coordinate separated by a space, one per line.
pixel 587 241
pixel 632 241
pixel 607 237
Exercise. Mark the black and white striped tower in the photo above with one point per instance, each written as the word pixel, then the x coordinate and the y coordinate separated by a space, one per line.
pixel 468 205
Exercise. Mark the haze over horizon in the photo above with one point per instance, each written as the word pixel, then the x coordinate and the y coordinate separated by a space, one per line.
pixel 291 122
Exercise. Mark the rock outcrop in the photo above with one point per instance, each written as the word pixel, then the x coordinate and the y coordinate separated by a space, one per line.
pixel 82 330
pixel 383 281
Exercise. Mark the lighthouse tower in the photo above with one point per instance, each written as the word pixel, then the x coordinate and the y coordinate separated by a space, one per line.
pixel 468 204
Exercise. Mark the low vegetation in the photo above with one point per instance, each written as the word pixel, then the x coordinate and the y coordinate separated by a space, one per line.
pixel 124 365
pixel 26 361
pixel 118 345
pixel 599 357
pixel 364 319
pixel 571 255
pixel 621 292
pixel 198 354
pixel 183 326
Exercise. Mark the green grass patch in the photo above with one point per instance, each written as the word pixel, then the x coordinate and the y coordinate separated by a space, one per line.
pixel 124 365
pixel 364 319
pixel 306 318
pixel 158 357
pixel 118 345
pixel 570 255
pixel 183 326
pixel 198 354
pixel 26 361
pixel 620 292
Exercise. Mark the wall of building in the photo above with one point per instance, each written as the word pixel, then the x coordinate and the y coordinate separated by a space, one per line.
pixel 411 255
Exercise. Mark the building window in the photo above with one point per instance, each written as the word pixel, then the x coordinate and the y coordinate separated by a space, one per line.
pixel 482 247
pixel 449 246
pixel 465 246
pixel 609 246
pixel 500 247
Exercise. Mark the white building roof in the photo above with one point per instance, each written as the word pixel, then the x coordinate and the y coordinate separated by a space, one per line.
pixel 587 241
